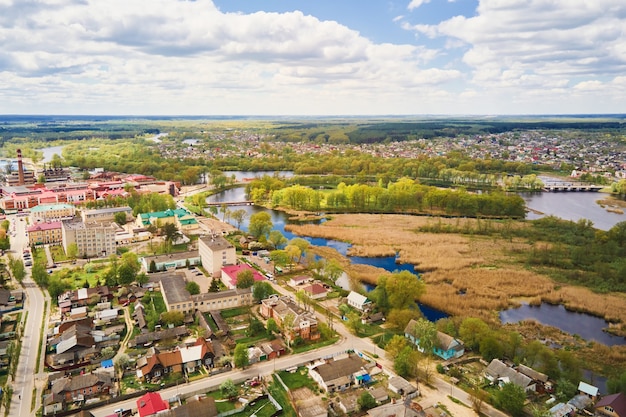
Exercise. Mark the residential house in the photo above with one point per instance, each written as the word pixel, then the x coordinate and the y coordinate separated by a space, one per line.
pixel 279 307
pixel 446 347
pixel 230 272
pixel 358 301
pixel 339 373
pixel 201 407
pixel 84 296
pixel 500 373
pixel 182 359
pixel 215 253
pixel 151 337
pixel 613 405
pixel 82 387
pixel 75 338
pixel 150 404
pixel 315 291
pixel 540 379
pixel 48 233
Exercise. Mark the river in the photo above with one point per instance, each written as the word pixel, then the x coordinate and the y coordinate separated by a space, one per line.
pixel 566 205
pixel 572 206
pixel 584 325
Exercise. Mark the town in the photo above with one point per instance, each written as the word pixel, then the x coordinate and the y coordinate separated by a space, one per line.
pixel 151 308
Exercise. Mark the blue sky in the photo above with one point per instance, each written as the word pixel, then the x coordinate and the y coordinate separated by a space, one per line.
pixel 317 57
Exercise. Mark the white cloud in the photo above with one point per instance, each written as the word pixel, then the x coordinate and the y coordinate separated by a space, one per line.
pixel 171 56
pixel 414 4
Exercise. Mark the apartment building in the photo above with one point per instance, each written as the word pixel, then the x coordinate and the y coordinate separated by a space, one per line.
pixel 92 239
pixel 215 253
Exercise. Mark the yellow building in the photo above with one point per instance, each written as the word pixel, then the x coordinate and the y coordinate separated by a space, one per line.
pixel 45 233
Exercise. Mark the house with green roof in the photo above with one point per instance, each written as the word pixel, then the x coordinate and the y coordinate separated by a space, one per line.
pixel 184 220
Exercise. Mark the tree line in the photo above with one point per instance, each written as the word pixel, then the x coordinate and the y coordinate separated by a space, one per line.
pixel 405 195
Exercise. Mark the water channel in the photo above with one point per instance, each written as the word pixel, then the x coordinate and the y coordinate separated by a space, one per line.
pixel 565 205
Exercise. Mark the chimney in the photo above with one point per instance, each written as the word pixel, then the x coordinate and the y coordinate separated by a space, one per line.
pixel 20 168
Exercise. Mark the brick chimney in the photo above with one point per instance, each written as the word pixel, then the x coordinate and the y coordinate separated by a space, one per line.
pixel 20 168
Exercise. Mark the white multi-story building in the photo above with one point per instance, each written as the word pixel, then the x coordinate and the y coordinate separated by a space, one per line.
pixel 92 239
pixel 215 253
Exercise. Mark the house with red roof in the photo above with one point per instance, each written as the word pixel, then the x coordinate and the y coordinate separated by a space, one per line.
pixel 229 274
pixel 315 291
pixel 151 403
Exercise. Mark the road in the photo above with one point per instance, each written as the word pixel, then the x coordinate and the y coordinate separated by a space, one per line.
pixel 24 382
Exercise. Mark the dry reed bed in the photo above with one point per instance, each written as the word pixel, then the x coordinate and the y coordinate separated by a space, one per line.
pixel 478 265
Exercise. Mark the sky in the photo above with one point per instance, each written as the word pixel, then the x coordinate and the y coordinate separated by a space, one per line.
pixel 312 57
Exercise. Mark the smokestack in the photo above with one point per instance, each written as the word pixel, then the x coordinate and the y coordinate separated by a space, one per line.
pixel 20 168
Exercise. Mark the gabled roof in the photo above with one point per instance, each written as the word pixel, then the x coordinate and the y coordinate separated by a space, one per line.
pixel 444 341
pixel 339 368
pixel 530 372
pixel 315 289
pixel 616 401
pixel 357 298
pixel 499 370
pixel 587 389
pixel 151 403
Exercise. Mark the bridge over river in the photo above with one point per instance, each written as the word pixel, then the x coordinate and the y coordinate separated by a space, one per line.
pixel 570 186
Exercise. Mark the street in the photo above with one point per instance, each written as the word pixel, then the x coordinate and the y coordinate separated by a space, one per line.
pixel 24 382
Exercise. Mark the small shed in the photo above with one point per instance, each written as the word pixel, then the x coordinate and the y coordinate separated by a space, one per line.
pixel 400 386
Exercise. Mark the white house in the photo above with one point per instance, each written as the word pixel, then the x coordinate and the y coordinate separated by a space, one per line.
pixel 358 301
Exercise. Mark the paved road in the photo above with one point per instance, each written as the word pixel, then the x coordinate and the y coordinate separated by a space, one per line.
pixel 27 368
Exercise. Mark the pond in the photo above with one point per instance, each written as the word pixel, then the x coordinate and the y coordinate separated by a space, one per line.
pixel 584 325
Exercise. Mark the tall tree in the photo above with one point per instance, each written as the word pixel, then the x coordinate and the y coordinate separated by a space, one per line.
pixel 276 239
pixel 171 233
pixel 239 216
pixel 260 225
pixel 261 290
pixel 426 333
pixel 245 279
pixel 240 356
pixel 511 399
pixel 472 331
pixel 403 289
